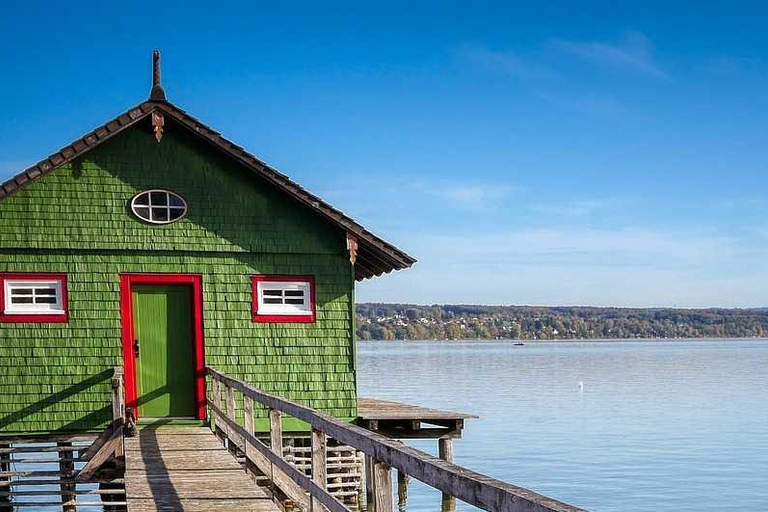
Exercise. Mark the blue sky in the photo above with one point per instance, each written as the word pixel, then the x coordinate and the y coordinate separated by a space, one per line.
pixel 603 153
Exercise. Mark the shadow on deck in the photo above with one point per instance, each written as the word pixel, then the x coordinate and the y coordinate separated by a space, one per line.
pixel 187 469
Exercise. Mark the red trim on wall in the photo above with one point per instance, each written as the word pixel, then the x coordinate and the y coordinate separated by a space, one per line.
pixel 126 313
pixel 301 319
pixel 37 319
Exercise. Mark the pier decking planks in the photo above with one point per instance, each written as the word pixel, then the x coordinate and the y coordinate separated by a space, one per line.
pixel 187 469
pixel 374 409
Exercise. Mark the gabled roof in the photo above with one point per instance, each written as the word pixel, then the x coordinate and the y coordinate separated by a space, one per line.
pixel 374 255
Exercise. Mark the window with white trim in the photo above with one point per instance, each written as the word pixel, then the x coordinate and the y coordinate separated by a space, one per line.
pixel 283 299
pixel 159 206
pixel 33 297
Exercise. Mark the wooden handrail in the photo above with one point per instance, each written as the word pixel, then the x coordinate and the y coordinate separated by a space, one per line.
pixel 110 442
pixel 474 488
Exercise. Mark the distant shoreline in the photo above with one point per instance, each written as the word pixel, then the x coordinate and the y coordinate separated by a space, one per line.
pixel 378 321
pixel 569 340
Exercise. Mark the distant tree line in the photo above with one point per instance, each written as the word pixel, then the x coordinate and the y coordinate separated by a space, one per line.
pixel 413 322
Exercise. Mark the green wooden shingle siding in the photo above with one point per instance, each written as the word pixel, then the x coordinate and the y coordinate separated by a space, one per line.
pixel 75 220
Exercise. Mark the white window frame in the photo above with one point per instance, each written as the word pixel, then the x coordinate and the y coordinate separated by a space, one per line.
pixel 56 308
pixel 284 309
pixel 168 193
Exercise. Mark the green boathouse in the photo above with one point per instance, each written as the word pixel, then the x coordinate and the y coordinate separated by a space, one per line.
pixel 156 244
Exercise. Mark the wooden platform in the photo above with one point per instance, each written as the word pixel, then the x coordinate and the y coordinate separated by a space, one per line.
pixel 399 420
pixel 187 469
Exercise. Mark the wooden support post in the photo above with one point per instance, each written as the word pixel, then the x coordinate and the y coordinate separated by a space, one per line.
pixel 445 448
pixel 445 451
pixel 370 483
pixel 66 472
pixel 231 414
pixel 5 466
pixel 382 499
pixel 118 407
pixel 276 431
pixel 402 489
pixel 319 465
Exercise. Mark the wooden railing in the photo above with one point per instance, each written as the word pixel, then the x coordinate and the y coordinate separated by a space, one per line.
pixel 60 469
pixel 110 443
pixel 310 494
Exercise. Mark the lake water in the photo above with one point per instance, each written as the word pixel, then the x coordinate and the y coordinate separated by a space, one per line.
pixel 659 425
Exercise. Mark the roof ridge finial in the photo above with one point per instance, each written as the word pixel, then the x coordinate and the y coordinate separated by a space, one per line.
pixel 157 93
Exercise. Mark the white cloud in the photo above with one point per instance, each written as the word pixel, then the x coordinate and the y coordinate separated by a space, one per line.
pixel 504 61
pixel 588 247
pixel 471 196
pixel 633 53
pixel 415 194
pixel 583 207
pixel 622 267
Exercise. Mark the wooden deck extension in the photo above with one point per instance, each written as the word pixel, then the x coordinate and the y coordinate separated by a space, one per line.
pixel 187 469
pixel 405 421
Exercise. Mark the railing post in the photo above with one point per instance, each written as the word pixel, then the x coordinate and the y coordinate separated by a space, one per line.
pixel 276 431
pixel 382 477
pixel 210 386
pixel 118 408
pixel 231 414
pixel 319 465
pixel 220 429
pixel 248 424
pixel 445 451
pixel 66 472
pixel 275 434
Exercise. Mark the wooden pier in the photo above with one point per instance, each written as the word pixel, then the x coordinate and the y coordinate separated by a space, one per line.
pixel 216 467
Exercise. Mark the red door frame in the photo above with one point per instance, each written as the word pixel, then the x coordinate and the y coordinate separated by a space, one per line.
pixel 126 314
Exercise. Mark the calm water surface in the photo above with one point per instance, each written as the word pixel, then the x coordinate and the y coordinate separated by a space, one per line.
pixel 660 425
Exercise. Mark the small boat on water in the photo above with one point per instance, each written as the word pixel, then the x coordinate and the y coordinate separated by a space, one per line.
pixel 518 343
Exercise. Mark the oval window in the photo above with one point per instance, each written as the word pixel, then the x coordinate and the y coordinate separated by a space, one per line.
pixel 158 206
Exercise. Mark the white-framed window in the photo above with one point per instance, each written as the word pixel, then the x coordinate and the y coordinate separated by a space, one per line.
pixel 158 206
pixel 283 299
pixel 34 297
